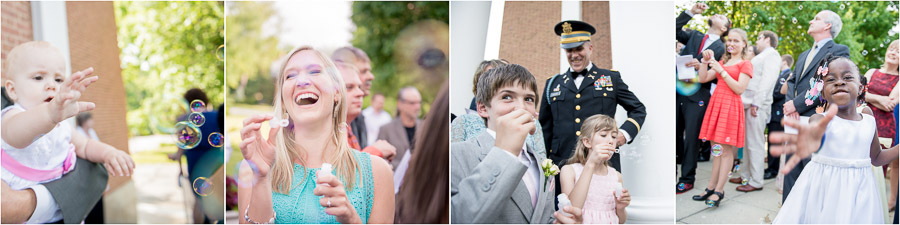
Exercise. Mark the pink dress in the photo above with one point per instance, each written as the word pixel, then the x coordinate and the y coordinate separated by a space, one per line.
pixel 600 205
pixel 724 119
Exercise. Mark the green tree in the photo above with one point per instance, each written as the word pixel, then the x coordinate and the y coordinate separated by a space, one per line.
pixel 167 48
pixel 378 25
pixel 866 25
pixel 251 53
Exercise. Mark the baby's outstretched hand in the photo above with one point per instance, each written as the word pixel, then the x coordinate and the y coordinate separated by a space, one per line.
pixel 65 104
pixel 118 163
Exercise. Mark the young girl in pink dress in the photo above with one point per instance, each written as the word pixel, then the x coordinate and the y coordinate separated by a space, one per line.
pixel 587 178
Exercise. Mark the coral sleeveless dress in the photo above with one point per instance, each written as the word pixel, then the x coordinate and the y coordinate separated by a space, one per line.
pixel 724 119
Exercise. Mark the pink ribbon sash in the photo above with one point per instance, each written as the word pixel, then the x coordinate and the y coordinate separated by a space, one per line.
pixel 10 164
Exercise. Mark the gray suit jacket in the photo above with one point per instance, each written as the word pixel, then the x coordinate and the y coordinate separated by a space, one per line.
pixel 486 185
pixel 395 133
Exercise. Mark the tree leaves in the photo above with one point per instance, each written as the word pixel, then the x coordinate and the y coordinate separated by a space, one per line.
pixel 167 48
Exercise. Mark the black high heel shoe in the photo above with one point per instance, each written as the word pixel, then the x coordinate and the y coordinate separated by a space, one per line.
pixel 715 203
pixel 704 196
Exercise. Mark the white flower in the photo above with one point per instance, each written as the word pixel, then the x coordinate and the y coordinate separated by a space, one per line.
pixel 546 164
pixel 554 170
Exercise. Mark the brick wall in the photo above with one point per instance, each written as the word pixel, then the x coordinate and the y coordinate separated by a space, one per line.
pixel 16 23
pixel 597 14
pixel 527 37
pixel 92 43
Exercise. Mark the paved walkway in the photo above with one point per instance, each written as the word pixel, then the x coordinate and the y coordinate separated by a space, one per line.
pixel 160 199
pixel 738 207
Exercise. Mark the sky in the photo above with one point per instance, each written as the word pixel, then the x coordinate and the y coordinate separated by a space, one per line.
pixel 323 25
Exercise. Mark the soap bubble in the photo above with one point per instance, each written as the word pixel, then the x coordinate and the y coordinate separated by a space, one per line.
pixel 700 103
pixel 220 53
pixel 744 181
pixel 716 150
pixel 202 186
pixel 801 7
pixel 794 20
pixel 197 118
pixel 215 139
pixel 187 135
pixel 197 105
pixel 864 52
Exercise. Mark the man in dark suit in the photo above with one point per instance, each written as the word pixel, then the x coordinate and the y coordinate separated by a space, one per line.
pixel 583 91
pixel 823 28
pixel 692 108
pixel 778 113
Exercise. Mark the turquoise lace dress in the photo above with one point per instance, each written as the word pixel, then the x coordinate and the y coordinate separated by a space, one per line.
pixel 302 207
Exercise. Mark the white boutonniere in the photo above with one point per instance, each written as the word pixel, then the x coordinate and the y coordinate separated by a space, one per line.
pixel 550 169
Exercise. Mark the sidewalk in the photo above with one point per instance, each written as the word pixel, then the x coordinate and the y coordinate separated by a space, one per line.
pixel 738 207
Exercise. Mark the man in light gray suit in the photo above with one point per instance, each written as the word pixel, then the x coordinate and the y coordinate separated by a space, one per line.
pixel 496 177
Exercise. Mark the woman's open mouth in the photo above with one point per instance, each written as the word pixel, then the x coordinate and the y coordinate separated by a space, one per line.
pixel 48 99
pixel 306 99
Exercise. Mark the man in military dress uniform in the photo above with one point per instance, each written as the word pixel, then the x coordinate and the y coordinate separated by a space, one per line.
pixel 583 91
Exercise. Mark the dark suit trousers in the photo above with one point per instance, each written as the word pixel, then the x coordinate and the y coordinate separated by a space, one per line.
pixel 689 118
pixel 773 126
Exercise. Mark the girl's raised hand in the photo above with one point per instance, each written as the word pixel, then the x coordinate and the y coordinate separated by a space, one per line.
pixel 255 149
pixel 707 56
pixel 601 152
pixel 803 144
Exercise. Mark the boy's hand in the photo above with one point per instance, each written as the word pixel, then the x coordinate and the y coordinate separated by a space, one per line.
pixel 65 104
pixel 118 163
pixel 512 129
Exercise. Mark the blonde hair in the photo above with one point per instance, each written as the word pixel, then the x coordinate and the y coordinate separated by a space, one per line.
pixel 287 149
pixel 894 44
pixel 743 35
pixel 593 124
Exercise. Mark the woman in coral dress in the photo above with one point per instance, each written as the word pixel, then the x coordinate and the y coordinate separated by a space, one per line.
pixel 723 123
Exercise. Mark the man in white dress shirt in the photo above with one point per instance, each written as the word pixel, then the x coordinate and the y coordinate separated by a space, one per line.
pixel 757 110
pixel 375 117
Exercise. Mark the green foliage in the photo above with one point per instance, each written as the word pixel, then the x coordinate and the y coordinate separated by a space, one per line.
pixel 166 49
pixel 866 25
pixel 378 25
pixel 250 52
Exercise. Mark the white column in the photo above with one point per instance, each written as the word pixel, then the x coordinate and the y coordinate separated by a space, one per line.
pixel 571 10
pixel 49 23
pixel 469 22
pixel 647 163
pixel 494 29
